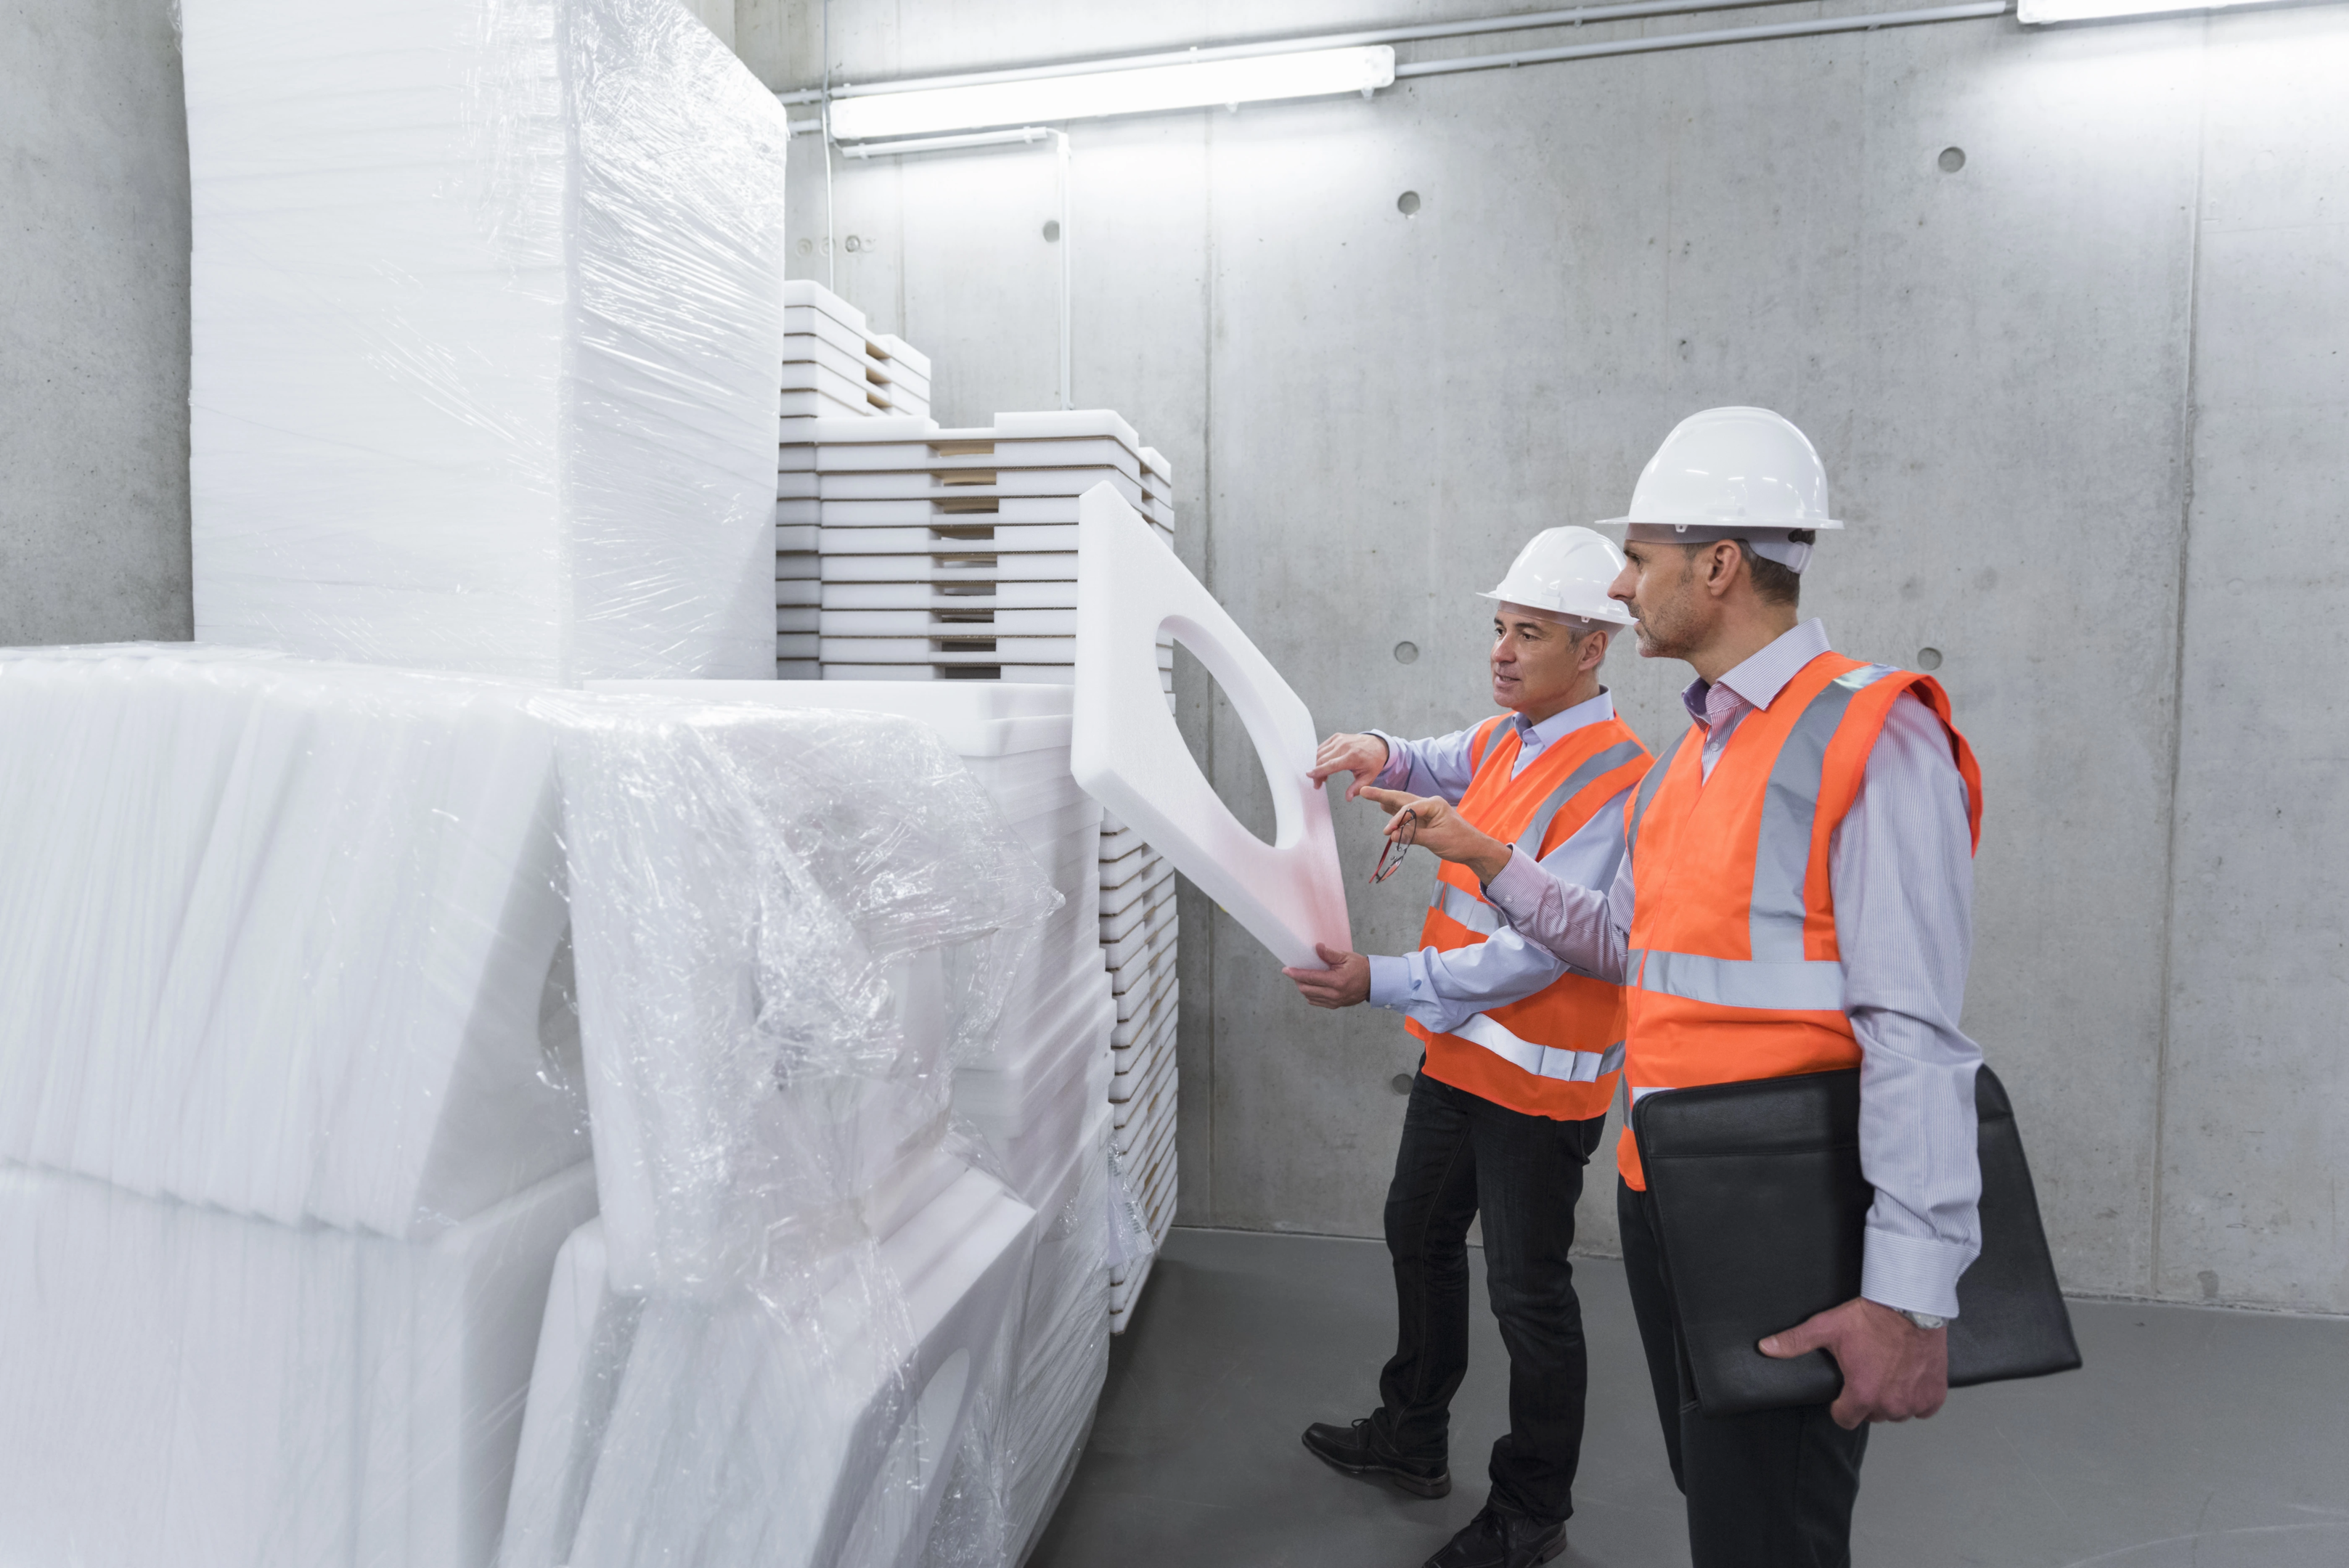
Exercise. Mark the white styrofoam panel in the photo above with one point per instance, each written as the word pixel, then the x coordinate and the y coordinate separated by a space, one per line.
pixel 1119 840
pixel 795 484
pixel 484 355
pixel 806 348
pixel 949 538
pixel 814 405
pixel 959 621
pixel 903 359
pixel 191 1387
pixel 798 670
pixel 1145 882
pixel 799 593
pixel 1000 595
pixel 971 564
pixel 796 1426
pixel 922 484
pixel 813 376
pixel 805 297
pixel 1129 754
pixel 820 324
pixel 948 511
pixel 797 645
pixel 1134 1025
pixel 1135 911
pixel 796 619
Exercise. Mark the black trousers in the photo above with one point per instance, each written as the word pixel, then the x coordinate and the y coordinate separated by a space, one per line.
pixel 1773 1490
pixel 1462 1155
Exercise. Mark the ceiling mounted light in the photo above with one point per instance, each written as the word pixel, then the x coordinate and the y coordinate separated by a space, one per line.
pixel 858 116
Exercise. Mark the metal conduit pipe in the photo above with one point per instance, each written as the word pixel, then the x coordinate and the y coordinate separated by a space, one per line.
pixel 1524 21
pixel 1860 24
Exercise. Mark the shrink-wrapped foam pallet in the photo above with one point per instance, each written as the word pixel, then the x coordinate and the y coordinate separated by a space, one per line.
pixel 486 312
pixel 790 926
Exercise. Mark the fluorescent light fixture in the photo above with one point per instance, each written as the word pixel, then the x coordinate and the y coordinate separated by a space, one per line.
pixel 2037 11
pixel 862 115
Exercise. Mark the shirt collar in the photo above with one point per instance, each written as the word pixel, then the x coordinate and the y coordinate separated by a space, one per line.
pixel 1758 680
pixel 1567 721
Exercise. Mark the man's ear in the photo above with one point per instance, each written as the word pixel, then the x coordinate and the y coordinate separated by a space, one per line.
pixel 1720 569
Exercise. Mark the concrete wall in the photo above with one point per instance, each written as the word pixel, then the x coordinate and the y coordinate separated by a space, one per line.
pixel 93 323
pixel 2084 400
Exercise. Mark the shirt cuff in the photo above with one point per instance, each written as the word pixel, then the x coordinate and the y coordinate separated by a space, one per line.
pixel 1391 982
pixel 1517 888
pixel 1912 1273
pixel 1397 772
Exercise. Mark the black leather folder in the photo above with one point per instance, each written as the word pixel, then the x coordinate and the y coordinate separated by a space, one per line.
pixel 1757 1199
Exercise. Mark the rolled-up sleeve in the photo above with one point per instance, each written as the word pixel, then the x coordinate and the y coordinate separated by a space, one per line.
pixel 1902 866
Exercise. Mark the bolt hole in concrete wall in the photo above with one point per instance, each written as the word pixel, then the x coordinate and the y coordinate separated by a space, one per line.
pixel 1407 203
pixel 1952 159
pixel 1400 1082
pixel 1053 231
pixel 1406 653
pixel 1928 659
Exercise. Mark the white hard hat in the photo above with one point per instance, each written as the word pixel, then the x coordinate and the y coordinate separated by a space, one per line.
pixel 1566 571
pixel 1730 473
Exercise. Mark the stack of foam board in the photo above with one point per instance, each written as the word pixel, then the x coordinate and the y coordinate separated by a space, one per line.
pixel 293 1116
pixel 1138 943
pixel 951 553
pixel 484 353
pixel 834 366
pixel 790 924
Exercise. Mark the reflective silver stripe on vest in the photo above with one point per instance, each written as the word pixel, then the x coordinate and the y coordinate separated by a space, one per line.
pixel 1781 855
pixel 1649 785
pixel 1813 986
pixel 1606 762
pixel 1465 907
pixel 1542 1061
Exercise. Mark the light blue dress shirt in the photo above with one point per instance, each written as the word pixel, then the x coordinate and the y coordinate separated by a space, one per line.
pixel 1901 866
pixel 1442 991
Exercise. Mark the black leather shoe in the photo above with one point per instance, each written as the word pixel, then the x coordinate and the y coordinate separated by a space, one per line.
pixel 1355 1451
pixel 1499 1539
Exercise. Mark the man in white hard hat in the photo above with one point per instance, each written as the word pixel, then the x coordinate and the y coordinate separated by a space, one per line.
pixel 1797 897
pixel 1521 1058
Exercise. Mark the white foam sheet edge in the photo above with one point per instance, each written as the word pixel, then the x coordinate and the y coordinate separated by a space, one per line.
pixel 1127 753
pixel 662 1430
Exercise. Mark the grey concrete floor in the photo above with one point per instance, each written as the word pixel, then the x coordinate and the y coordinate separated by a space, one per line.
pixel 2213 1438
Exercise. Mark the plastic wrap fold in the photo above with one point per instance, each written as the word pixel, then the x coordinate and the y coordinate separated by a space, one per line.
pixel 791 927
pixel 487 312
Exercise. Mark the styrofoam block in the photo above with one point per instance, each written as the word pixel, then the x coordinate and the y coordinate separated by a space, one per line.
pixel 1139 912
pixel 959 622
pixel 798 670
pixel 807 295
pixel 851 447
pixel 820 324
pixel 790 485
pixel 805 347
pixel 1062 1357
pixel 952 511
pixel 194 1388
pixel 796 511
pixel 1001 1096
pixel 945 537
pixel 1159 925
pixel 818 405
pixel 975 565
pixel 798 593
pixel 1118 838
pixel 1145 882
pixel 813 376
pixel 1136 1028
pixel 764 901
pixel 789 1430
pixel 802 619
pixel 922 484
pixel 280 936
pixel 929 597
pixel 904 353
pixel 1128 753
pixel 484 355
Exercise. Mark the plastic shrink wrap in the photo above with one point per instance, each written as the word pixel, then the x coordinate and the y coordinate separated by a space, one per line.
pixel 292 1111
pixel 487 308
pixel 789 928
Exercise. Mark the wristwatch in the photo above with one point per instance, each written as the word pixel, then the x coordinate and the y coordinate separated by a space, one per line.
pixel 1924 1320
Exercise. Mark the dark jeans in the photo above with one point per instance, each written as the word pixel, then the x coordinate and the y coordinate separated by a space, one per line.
pixel 1773 1490
pixel 1462 1155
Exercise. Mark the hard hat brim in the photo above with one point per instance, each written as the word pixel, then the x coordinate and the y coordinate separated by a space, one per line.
pixel 1831 522
pixel 1623 624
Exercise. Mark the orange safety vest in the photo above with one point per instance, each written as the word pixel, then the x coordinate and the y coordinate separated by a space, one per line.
pixel 1557 1053
pixel 1733 972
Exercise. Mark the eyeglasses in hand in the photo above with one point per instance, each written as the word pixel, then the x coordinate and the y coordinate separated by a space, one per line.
pixel 1397 846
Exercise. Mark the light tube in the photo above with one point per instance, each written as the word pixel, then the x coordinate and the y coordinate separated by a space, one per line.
pixel 1141 90
pixel 2038 11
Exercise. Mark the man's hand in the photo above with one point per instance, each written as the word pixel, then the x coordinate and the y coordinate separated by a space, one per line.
pixel 1440 828
pixel 1345 983
pixel 1362 756
pixel 1892 1369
